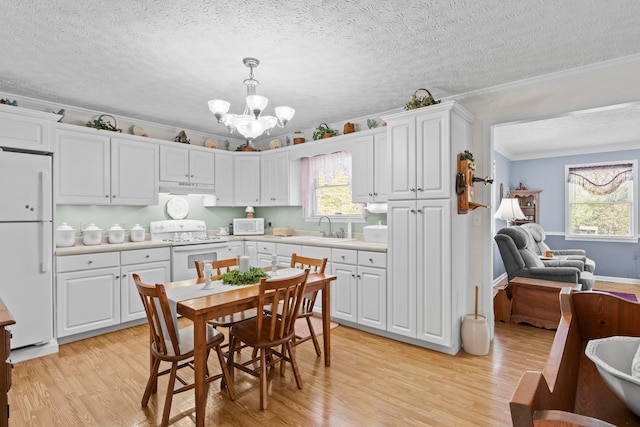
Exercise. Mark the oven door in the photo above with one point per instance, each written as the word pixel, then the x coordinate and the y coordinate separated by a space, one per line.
pixel 183 258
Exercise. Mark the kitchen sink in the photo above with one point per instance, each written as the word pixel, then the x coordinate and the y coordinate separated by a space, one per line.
pixel 318 239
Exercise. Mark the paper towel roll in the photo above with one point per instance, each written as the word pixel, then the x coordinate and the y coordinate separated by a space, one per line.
pixel 244 264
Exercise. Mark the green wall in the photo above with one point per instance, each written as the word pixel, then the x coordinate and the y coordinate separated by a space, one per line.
pixel 215 217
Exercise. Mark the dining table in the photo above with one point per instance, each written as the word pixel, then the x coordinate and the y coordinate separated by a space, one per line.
pixel 225 300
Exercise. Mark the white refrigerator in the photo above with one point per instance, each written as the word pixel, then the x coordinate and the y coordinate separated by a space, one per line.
pixel 26 245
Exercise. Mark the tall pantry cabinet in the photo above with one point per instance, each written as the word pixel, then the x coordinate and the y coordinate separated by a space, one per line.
pixel 428 255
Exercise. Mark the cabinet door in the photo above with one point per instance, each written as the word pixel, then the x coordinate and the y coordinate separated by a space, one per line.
pixel 401 270
pixel 344 291
pixel 380 168
pixel 402 158
pixel 134 173
pixel 274 182
pixel 433 138
pixel 233 250
pixel 201 167
pixel 82 168
pixel 362 164
pixel 88 300
pixel 19 130
pixel 251 250
pixel 247 180
pixel 131 307
pixel 174 164
pixel 434 272
pixel 224 180
pixel 372 297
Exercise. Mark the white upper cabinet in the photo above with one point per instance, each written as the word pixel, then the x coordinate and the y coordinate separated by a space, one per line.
pixel 26 129
pixel 188 165
pixel 224 179
pixel 246 180
pixel 370 169
pixel 94 169
pixel 420 150
pixel 279 179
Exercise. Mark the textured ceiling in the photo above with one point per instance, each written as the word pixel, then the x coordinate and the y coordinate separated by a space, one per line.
pixel 162 60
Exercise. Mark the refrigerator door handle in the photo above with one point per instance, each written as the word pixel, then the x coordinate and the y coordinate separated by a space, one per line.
pixel 45 246
pixel 45 191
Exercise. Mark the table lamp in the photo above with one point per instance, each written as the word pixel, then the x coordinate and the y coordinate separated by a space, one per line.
pixel 509 211
pixel 250 211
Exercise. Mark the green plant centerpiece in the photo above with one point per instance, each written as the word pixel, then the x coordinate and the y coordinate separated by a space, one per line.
pixel 99 123
pixel 323 131
pixel 421 101
pixel 236 277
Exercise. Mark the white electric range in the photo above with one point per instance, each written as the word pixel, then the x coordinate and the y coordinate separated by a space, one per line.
pixel 189 242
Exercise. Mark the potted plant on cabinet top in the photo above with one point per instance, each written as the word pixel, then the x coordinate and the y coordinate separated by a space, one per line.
pixel 323 131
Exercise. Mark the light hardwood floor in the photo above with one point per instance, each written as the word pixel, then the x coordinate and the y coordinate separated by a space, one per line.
pixel 372 381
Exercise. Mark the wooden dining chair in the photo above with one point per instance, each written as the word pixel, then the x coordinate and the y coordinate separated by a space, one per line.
pixel 315 265
pixel 220 267
pixel 271 335
pixel 168 344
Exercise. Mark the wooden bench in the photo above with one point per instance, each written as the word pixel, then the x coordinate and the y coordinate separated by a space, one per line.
pixel 569 391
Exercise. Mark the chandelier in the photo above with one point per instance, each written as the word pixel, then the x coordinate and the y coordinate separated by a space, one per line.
pixel 251 123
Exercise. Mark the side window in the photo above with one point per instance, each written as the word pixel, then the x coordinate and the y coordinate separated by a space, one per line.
pixel 326 187
pixel 601 201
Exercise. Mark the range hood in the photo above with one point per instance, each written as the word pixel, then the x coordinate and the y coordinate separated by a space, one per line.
pixel 184 188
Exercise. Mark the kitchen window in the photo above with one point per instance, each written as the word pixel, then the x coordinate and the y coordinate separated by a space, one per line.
pixel 326 187
pixel 600 201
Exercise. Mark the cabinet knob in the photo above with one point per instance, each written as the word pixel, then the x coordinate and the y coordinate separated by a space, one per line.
pixel 420 189
pixel 114 196
pixel 191 176
pixel 106 196
pixel 375 194
pixel 359 277
pixel 371 194
pixel 371 260
pixel 353 275
pixel 117 277
pixel 146 256
pixel 419 210
pixel 342 257
pixel 90 262
pixel 412 189
pixel 412 211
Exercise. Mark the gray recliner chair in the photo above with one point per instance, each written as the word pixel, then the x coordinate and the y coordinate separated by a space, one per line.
pixel 536 242
pixel 522 261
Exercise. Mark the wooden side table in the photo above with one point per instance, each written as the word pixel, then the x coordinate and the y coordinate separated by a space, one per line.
pixel 501 303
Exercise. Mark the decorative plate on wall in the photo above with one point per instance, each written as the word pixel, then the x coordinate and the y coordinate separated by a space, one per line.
pixel 177 208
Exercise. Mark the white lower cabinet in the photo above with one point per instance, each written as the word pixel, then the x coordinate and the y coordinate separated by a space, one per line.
pixel 153 266
pixel 95 291
pixel 372 289
pixel 358 294
pixel 88 292
pixel 232 250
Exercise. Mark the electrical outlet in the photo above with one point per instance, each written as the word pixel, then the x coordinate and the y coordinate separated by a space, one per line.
pixel 123 225
pixel 83 226
pixel 476 218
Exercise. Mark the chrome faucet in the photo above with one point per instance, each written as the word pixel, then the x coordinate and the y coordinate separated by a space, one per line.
pixel 328 219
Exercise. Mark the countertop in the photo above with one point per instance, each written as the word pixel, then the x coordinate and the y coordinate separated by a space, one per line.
pixel 79 248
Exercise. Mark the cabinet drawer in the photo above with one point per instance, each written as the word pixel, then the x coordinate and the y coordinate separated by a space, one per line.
pixel 372 259
pixel 140 256
pixel 315 252
pixel 87 261
pixel 266 248
pixel 285 249
pixel 347 256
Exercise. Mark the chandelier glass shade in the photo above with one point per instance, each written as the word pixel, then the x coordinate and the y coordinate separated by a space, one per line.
pixel 251 123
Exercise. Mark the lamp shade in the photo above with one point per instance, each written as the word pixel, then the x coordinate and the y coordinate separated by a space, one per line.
pixel 509 210
pixel 249 209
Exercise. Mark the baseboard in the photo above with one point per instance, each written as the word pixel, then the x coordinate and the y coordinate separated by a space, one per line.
pixel 33 351
pixel 617 280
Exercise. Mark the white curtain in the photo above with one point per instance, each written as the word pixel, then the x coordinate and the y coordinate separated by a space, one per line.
pixel 327 165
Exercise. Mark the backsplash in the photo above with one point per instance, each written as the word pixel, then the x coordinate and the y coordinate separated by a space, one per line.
pixel 128 216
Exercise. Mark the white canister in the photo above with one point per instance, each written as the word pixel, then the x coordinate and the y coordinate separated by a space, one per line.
pixel 137 233
pixel 92 235
pixel 116 234
pixel 65 236
pixel 475 335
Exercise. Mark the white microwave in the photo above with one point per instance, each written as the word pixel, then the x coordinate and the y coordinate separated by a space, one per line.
pixel 248 226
